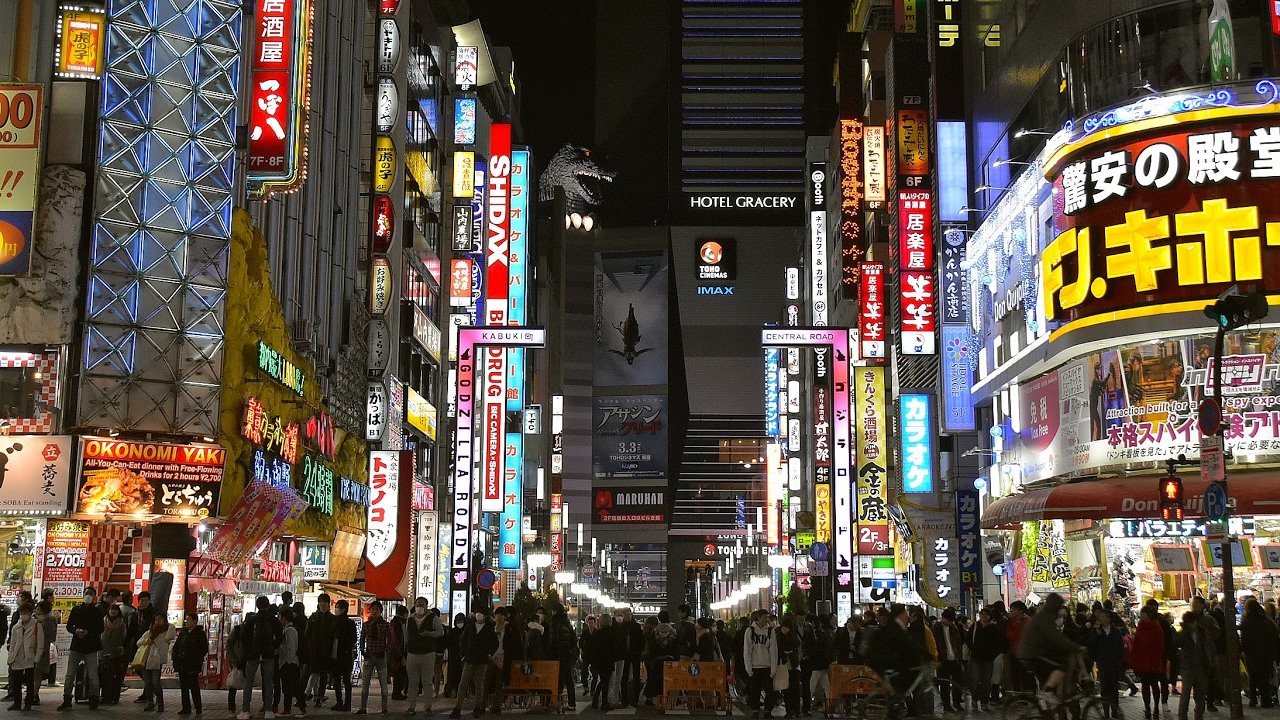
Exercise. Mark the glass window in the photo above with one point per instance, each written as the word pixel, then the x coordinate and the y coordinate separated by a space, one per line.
pixel 19 387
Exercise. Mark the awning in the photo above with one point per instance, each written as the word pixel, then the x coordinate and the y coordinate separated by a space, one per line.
pixel 344 560
pixel 1128 498
pixel 106 540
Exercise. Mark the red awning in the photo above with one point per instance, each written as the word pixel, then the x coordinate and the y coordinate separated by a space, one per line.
pixel 1129 498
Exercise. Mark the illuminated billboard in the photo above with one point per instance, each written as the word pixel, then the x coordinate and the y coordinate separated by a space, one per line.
pixel 1164 220
pixel 279 94
pixel 871 430
pixel 82 32
pixel 497 253
pixel 21 107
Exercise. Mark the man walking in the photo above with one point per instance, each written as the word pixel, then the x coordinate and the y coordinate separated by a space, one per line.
pixel 478 644
pixel 422 633
pixel 85 625
pixel 375 644
pixel 344 658
pixel 760 656
pixel 319 643
pixel 260 639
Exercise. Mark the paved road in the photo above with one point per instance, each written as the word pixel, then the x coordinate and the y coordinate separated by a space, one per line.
pixel 215 702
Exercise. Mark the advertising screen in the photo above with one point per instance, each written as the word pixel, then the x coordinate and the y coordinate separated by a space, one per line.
pixel 630 329
pixel 629 436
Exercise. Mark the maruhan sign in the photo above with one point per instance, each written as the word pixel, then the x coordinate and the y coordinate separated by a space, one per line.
pixel 753 202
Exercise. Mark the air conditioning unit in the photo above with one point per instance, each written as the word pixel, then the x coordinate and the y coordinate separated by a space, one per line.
pixel 304 337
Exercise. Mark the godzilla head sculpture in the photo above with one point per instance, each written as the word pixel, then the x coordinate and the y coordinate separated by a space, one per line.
pixel 573 169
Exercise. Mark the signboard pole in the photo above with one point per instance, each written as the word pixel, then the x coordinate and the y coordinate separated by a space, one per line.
pixel 1228 571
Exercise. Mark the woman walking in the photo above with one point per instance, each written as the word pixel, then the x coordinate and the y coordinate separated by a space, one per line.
pixel 1258 643
pixel 25 640
pixel 154 646
pixel 603 654
pixel 1146 657
pixel 1106 647
pixel 115 630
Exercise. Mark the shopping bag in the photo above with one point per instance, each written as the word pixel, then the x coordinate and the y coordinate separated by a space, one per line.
pixel 235 680
pixel 140 658
pixel 781 678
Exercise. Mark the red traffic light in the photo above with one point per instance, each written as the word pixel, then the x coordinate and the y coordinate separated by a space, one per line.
pixel 1170 491
pixel 1171 513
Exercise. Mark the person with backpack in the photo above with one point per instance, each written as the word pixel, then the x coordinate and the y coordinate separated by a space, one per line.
pixel 260 639
pixel 661 647
pixel 375 646
pixel 686 632
pixel 761 658
pixel 235 655
pixel 189 652
pixel 344 657
pixel 422 633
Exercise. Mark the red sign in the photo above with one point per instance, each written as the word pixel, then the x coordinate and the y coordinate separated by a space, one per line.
pixel 277 571
pixel 871 310
pixel 1275 17
pixel 557 507
pixel 919 301
pixel 277 99
pixel 389 7
pixel 915 230
pixel 497 278
pixel 460 281
pixel 319 432
pixel 389 579
pixel 424 498
pixel 384 223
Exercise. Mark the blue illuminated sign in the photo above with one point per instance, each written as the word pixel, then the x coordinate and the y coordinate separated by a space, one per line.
pixel 510 550
pixel 464 121
pixel 509 523
pixel 915 426
pixel 953 171
pixel 957 379
pixel 771 392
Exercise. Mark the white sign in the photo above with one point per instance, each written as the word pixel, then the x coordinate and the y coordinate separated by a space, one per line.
pixel 533 420
pixel 384 505
pixel 388 46
pixel 466 66
pixel 376 414
pixel 35 473
pixel 793 283
pixel 427 556
pixel 315 561
pixel 426 333
pixel 1213 465
pixel 818 270
pixel 873 163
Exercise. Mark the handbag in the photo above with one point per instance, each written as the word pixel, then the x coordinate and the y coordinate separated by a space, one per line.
pixel 235 680
pixel 140 658
pixel 781 678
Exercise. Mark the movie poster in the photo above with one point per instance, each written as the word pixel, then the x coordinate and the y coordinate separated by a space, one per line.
pixel 630 331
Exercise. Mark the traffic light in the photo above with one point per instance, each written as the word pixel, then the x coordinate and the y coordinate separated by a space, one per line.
pixel 1233 311
pixel 1170 498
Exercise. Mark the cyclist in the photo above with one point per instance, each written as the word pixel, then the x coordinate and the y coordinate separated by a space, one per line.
pixel 893 653
pixel 1053 657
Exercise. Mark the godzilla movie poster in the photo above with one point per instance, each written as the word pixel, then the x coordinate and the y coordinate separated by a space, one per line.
pixel 630 332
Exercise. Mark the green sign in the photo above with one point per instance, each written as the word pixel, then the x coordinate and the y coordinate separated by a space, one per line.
pixel 1222 43
pixel 273 363
pixel 317 485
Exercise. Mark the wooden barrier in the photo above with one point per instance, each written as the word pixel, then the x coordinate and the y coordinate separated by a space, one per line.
pixel 534 684
pixel 692 684
pixel 849 683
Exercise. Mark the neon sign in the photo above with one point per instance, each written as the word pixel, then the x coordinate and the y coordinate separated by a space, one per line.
pixel 279 96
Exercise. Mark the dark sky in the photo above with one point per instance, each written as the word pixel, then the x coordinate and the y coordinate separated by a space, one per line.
pixel 554 48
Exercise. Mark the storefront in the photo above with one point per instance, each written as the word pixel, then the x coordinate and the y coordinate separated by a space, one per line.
pixel 1087 282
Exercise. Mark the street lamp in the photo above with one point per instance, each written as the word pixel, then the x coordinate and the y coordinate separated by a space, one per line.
pixel 780 562
pixel 539 560
pixel 564 577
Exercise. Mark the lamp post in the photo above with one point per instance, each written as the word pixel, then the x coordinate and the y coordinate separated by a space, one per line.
pixel 1231 311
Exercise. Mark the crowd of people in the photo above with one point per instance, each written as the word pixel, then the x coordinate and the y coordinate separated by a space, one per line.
pixel 293 658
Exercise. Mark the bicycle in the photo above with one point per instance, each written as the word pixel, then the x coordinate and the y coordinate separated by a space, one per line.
pixel 892 703
pixel 1034 705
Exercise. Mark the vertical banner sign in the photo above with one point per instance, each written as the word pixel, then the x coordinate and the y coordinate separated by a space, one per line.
pixel 497 278
pixel 278 96
pixel 428 558
pixel 819 263
pixel 873 164
pixel 774 477
pixel 388 547
pixel 915 258
pixel 873 494
pixel 466 66
pixel 557 532
pixel 969 541
pixel 81 34
pixel 464 121
pixel 871 311
pixel 510 550
pixel 21 107
pixel 472 341
pixel 771 409
pixel 837 342
pixel 852 247
pixel 916 430
pixel 957 368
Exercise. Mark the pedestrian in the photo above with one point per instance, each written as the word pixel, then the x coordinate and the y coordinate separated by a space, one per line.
pixel 1260 646
pixel 112 660
pixel 789 661
pixel 344 661
pixel 603 653
pixel 535 637
pixel 422 634
pixel 584 645
pixel 319 648
pixel 631 648
pixel 661 647
pixel 986 643
pixel 509 652
pixel 761 659
pixel 290 666
pixel 154 649
pixel 1195 646
pixel 375 642
pixel 25 639
pixel 189 651
pixel 1146 657
pixel 395 654
pixel 563 644
pixel 453 654
pixel 260 639
pixel 139 622
pixel 947 638
pixel 85 624
pixel 235 655
pixel 686 632
pixel 821 655
pixel 476 647
pixel 49 625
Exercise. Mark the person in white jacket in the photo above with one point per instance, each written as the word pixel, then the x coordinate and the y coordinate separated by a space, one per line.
pixel 157 639
pixel 760 654
pixel 26 638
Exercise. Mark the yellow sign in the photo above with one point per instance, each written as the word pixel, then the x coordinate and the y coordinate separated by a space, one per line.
pixel 420 413
pixel 464 174
pixel 384 165
pixel 822 512
pixel 80 43
pixel 869 416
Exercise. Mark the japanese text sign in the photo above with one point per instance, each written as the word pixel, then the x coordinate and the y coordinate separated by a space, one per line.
pixel 916 430
pixel 871 430
pixel 278 94
pixel 36 475
pixel 871 311
pixel 128 477
pixel 21 107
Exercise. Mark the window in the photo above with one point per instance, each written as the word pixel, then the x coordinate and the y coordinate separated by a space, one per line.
pixel 19 387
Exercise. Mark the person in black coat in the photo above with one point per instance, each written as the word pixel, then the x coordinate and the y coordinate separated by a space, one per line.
pixel 189 651
pixel 85 625
pixel 319 637
pixel 604 653
pixel 344 636
pixel 891 649
pixel 510 651
pixel 986 643
pixel 848 641
pixel 478 644
pixel 453 654
pixel 1260 646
